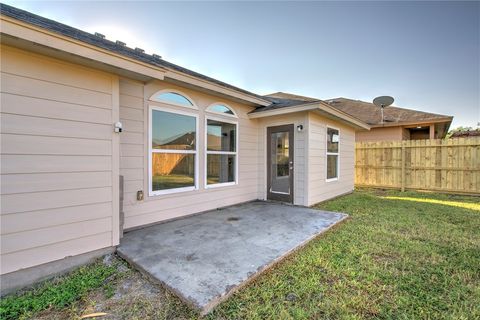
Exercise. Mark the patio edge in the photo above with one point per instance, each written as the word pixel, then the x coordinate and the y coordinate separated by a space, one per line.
pixel 215 302
pixel 204 310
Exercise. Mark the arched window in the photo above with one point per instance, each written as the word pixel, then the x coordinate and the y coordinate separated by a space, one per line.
pixel 222 109
pixel 172 97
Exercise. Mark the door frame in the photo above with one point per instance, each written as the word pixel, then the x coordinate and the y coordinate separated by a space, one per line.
pixel 290 128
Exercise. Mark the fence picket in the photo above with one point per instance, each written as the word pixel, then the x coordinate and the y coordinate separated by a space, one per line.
pixel 451 165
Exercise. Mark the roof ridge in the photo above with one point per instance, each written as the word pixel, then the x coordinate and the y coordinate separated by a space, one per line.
pixel 287 95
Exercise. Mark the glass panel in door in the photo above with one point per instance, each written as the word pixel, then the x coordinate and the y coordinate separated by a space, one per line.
pixel 280 162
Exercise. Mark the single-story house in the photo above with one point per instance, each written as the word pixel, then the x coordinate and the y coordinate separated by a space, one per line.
pixel 98 138
pixel 398 123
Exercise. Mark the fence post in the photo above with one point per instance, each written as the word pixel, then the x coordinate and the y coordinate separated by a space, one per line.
pixel 403 167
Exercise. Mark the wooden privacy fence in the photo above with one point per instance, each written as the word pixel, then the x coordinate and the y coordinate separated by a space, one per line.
pixel 451 165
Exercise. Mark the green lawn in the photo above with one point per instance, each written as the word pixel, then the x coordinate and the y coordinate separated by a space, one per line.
pixel 399 256
pixel 60 292
pixel 414 257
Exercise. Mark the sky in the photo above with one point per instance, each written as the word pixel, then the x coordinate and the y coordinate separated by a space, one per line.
pixel 424 54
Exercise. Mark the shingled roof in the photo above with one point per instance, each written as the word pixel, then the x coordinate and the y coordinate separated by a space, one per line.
pixel 283 100
pixel 466 134
pixel 115 47
pixel 364 111
pixel 370 113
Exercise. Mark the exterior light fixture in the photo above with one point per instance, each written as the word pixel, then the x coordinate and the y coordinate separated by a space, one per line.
pixel 300 128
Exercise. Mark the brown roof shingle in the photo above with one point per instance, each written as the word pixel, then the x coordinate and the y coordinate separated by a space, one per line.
pixel 370 113
pixel 365 111
pixel 466 134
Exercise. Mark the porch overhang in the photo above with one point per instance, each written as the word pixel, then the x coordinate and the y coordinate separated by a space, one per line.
pixel 318 107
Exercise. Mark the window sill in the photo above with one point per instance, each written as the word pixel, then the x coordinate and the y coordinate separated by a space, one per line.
pixel 219 185
pixel 171 191
pixel 331 180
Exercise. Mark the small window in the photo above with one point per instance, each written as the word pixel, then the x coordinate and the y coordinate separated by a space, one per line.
pixel 221 153
pixel 220 108
pixel 333 141
pixel 173 152
pixel 172 97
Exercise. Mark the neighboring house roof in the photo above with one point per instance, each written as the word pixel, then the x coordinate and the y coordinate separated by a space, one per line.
pixel 106 44
pixel 364 111
pixel 466 134
pixel 370 113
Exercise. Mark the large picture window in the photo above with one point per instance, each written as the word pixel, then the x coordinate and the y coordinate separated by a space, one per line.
pixel 333 142
pixel 221 153
pixel 173 151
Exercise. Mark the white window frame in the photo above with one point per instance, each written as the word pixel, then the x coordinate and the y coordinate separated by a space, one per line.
pixel 332 154
pixel 207 152
pixel 195 152
pixel 193 106
pixel 234 115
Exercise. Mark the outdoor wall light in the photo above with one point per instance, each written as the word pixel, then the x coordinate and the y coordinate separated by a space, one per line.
pixel 118 127
pixel 300 128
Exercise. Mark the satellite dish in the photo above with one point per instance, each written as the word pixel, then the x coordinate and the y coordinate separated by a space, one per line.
pixel 382 102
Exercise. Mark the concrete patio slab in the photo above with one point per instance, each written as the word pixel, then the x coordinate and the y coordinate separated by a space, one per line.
pixel 206 257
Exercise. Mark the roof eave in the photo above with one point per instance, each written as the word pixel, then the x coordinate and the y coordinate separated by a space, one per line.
pixel 411 123
pixel 318 106
pixel 40 36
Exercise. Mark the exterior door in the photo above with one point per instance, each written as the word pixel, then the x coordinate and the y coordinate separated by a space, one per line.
pixel 280 163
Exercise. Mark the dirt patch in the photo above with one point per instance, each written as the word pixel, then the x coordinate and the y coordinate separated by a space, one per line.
pixel 127 295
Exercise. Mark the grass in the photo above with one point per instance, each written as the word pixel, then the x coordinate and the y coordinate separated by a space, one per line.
pixel 57 293
pixel 399 256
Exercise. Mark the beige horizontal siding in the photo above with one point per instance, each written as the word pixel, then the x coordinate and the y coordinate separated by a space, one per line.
pixel 50 235
pixel 127 113
pixel 29 65
pixel 26 125
pixel 52 91
pixel 187 209
pixel 27 144
pixel 26 163
pixel 134 160
pixel 38 182
pixel 31 106
pixel 318 188
pixel 381 134
pixel 57 159
pixel 20 202
pixel 40 219
pixel 299 154
pixel 38 255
